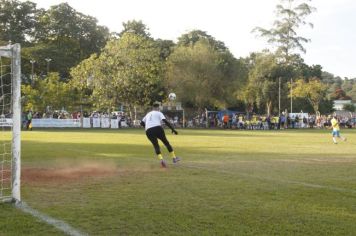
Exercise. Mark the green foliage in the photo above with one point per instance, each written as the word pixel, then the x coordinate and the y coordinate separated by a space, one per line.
pixel 352 93
pixel 192 37
pixel 349 107
pixel 62 58
pixel 314 91
pixel 209 75
pixel 326 106
pixel 136 27
pixel 59 33
pixel 166 48
pixel 262 86
pixel 17 21
pixel 62 24
pixel 128 71
pixel 82 79
pixel 348 86
pixel 266 71
pixel 48 92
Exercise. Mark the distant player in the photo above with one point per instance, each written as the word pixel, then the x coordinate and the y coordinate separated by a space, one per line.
pixel 29 120
pixel 336 129
pixel 154 131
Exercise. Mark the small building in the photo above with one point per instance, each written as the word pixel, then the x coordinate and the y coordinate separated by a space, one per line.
pixel 339 104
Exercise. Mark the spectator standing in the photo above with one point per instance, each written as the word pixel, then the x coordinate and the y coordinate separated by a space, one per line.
pixel 226 120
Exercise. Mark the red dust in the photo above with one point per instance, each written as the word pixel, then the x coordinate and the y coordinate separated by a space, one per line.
pixel 66 174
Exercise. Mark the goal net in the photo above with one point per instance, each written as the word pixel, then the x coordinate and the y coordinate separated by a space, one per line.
pixel 10 122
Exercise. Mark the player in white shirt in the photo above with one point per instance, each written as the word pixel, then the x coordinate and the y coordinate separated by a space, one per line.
pixel 154 131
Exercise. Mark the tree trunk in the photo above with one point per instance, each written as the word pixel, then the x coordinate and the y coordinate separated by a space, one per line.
pixel 315 106
pixel 269 106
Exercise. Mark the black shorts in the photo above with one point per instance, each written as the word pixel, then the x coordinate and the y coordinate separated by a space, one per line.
pixel 155 133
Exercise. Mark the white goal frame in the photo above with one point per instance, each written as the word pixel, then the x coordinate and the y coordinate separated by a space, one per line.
pixel 14 53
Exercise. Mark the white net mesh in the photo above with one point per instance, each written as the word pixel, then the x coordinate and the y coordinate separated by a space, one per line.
pixel 6 128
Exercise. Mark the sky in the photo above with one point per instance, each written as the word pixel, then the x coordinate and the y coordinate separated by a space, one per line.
pixel 333 37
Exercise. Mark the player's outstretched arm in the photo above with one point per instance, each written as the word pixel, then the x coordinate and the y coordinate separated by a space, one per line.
pixel 170 126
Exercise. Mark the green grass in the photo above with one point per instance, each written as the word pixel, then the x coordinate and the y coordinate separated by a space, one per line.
pixel 228 183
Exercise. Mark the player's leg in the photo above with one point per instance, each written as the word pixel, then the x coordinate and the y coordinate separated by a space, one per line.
pixel 152 136
pixel 341 137
pixel 334 133
pixel 162 136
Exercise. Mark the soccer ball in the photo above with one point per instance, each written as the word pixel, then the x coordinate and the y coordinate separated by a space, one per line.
pixel 172 96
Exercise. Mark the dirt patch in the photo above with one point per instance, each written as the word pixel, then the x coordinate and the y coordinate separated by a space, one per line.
pixel 66 174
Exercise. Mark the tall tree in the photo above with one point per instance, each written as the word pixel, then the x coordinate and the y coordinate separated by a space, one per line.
pixel 66 37
pixel 61 23
pixel 17 21
pixel 128 71
pixel 208 74
pixel 262 86
pixel 313 91
pixel 82 80
pixel 291 14
pixel 192 37
pixel 136 27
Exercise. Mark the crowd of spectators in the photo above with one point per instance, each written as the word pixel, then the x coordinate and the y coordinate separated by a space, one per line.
pixel 234 120
pixel 263 122
pixel 124 120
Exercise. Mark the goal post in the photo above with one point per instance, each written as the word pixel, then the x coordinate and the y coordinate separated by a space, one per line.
pixel 10 104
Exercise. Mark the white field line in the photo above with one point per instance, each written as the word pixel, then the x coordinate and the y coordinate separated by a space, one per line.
pixel 58 224
pixel 310 185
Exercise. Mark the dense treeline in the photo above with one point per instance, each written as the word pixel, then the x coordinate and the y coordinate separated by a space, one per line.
pixel 60 33
pixel 94 68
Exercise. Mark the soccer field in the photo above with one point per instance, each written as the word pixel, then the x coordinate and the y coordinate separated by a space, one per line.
pixel 229 182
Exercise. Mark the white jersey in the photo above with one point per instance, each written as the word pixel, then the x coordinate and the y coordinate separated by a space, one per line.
pixel 153 119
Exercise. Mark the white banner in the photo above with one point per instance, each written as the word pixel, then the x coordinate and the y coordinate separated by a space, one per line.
pixel 114 123
pixel 71 123
pixel 86 123
pixel 96 122
pixel 56 123
pixel 300 115
pixel 5 122
pixel 105 123
pixel 124 124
